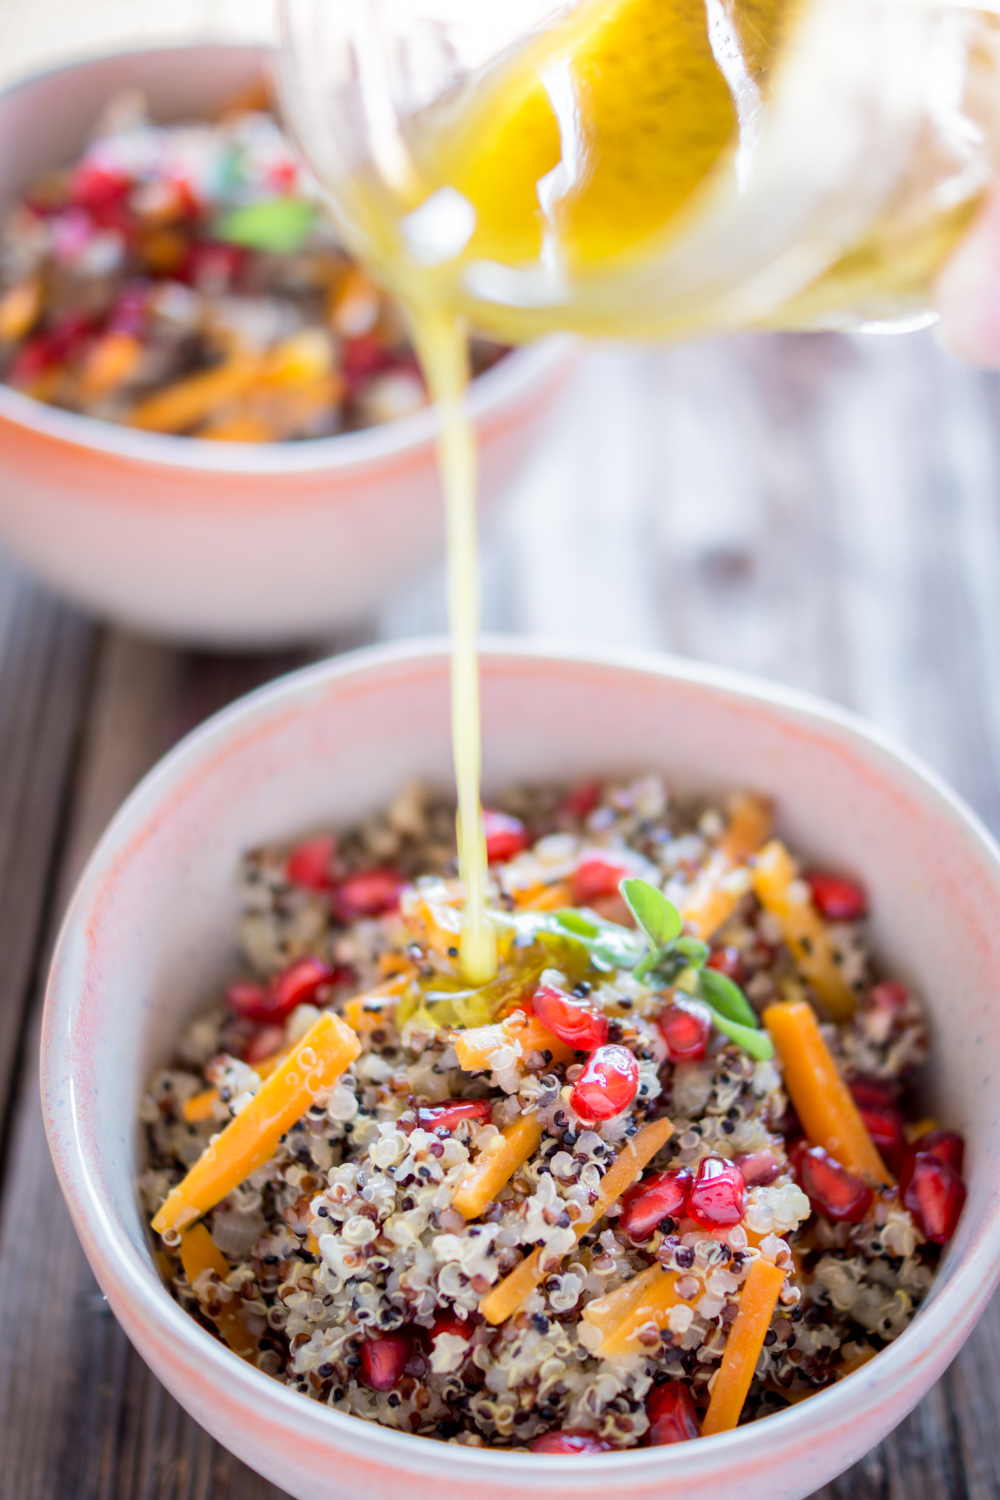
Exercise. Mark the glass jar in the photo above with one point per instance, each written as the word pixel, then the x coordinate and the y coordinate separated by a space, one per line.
pixel 864 141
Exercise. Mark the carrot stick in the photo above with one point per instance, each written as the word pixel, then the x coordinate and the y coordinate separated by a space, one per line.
pixel 199 1106
pixel 779 891
pixel 476 1045
pixel 650 1302
pixel 250 1140
pixel 493 1168
pixel 506 1297
pixel 821 1098
pixel 192 399
pixel 199 1253
pixel 364 1012
pixel 715 891
pixel 746 1339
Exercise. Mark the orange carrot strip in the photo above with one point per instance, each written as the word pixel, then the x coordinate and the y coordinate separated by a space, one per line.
pixel 199 1253
pixel 476 1044
pixel 199 1106
pixel 821 1098
pixel 20 307
pixel 534 1037
pixel 748 827
pixel 716 890
pixel 506 1297
pixel 746 1339
pixel 779 891
pixel 194 398
pixel 651 1303
pixel 364 1012
pixel 496 1165
pixel 250 1140
pixel 545 898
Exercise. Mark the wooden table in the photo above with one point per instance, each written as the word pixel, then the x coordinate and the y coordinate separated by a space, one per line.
pixel 820 510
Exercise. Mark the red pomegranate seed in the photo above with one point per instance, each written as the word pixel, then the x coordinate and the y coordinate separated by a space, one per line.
pixel 660 1196
pixel 244 998
pixel 838 900
pixel 718 1198
pixel 685 1028
pixel 451 1323
pixel 570 1440
pixel 96 189
pixel 368 894
pixel 581 801
pixel 361 358
pixel 296 985
pixel 728 961
pixel 310 863
pixel 759 1168
pixel 885 1125
pixel 830 1188
pixel 446 1116
pixel 384 1360
pixel 946 1145
pixel 874 1092
pixel 672 1415
pixel 607 1085
pixel 505 837
pixel 888 996
pixel 266 1043
pixel 934 1193
pixel 597 875
pixel 572 1023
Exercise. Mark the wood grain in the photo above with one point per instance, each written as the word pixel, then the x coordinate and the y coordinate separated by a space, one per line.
pixel 823 511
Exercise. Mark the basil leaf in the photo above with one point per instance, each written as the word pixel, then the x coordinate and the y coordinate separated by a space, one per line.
pixel 276 224
pixel 726 998
pixel 659 918
pixel 757 1043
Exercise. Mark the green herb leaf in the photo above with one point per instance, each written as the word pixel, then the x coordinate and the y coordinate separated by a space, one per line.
pixel 692 950
pixel 279 225
pixel 607 945
pixel 757 1043
pixel 659 918
pixel 726 998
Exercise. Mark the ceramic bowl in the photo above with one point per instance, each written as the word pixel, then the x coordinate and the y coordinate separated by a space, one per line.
pixel 150 931
pixel 226 543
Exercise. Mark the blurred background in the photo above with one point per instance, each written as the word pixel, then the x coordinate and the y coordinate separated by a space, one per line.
pixel 822 510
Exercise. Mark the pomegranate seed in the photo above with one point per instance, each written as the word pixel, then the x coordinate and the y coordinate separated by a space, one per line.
pixel 597 875
pixel 830 1188
pixel 718 1197
pixel 505 837
pixel 663 1195
pixel 685 1028
pixel 728 961
pixel 368 894
pixel 384 1360
pixel 888 996
pixel 572 1023
pixel 361 358
pixel 874 1093
pixel 310 863
pixel 885 1125
pixel 607 1085
pixel 838 900
pixel 266 1043
pixel 570 1440
pixel 296 985
pixel 96 189
pixel 453 1324
pixel 759 1168
pixel 934 1193
pixel 671 1413
pixel 247 999
pixel 946 1145
pixel 446 1116
pixel 581 801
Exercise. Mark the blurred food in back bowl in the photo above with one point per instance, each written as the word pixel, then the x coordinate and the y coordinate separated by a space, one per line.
pixel 167 277
pixel 184 278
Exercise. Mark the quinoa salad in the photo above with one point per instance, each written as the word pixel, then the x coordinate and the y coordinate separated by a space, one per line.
pixel 184 278
pixel 663 1175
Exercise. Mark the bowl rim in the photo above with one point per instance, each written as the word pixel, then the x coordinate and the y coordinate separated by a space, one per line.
pixel 947 1317
pixel 516 373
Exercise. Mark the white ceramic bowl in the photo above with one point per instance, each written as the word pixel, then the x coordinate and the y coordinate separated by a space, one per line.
pixel 151 930
pixel 226 543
